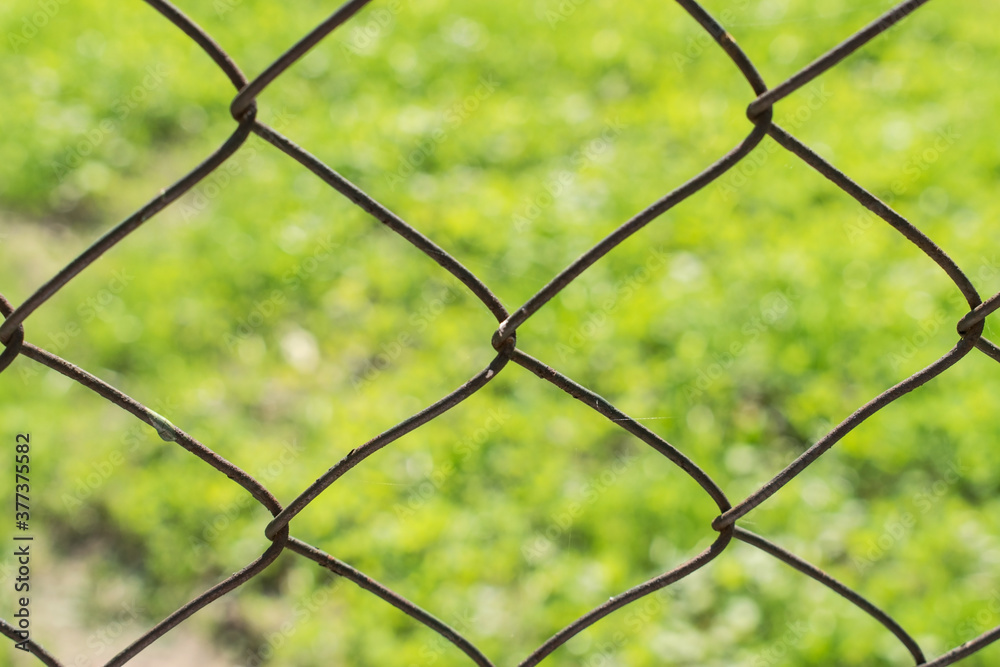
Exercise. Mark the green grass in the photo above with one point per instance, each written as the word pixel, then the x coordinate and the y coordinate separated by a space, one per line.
pixel 259 314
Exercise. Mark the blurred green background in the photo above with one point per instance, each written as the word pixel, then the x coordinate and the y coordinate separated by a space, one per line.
pixel 281 326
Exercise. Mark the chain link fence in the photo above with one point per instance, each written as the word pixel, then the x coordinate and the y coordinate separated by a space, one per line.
pixel 278 531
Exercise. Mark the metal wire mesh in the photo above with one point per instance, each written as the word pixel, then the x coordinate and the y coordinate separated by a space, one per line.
pixel 279 539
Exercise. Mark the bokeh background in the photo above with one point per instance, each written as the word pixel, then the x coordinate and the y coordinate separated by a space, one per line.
pixel 282 327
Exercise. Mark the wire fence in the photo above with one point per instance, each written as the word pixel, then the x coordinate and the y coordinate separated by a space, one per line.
pixel 277 532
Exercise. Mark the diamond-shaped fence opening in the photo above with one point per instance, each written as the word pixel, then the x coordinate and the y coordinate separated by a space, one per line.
pixel 765 118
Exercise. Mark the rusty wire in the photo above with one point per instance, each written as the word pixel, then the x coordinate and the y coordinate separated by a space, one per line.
pixel 760 114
